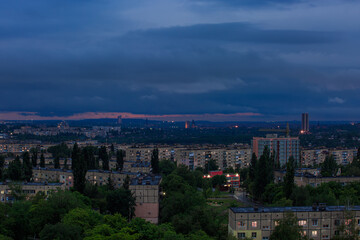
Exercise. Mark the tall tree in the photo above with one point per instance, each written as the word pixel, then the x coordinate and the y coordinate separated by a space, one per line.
pixel 155 161
pixel 263 176
pixel 79 168
pixel 14 171
pixel 89 155
pixel 34 156
pixel 121 201
pixel 120 159
pixel 252 168
pixel 65 164
pixel 126 184
pixel 103 155
pixel 57 163
pixel 329 166
pixel 2 163
pixel 27 166
pixel 42 160
pixel 289 177
pixel 288 229
pixel 211 166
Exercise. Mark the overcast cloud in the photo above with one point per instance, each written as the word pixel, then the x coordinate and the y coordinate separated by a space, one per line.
pixel 270 59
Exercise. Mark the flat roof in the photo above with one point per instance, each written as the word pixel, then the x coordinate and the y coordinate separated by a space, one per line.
pixel 291 209
pixel 146 180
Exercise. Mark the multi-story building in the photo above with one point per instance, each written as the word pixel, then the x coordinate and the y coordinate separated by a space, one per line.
pixel 311 157
pixel 141 167
pixel 98 177
pixel 343 156
pixel 146 189
pixel 232 179
pixel 284 147
pixel 318 222
pixel 238 157
pixel 305 123
pixel 29 189
pixel 314 179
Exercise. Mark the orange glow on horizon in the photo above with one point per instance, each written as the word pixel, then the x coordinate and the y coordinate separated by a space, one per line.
pixel 101 115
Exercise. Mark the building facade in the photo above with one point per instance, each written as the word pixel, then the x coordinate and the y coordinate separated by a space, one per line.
pixel 284 147
pixel 146 189
pixel 318 222
pixel 305 123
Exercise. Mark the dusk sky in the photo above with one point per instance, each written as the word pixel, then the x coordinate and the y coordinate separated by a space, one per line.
pixel 240 60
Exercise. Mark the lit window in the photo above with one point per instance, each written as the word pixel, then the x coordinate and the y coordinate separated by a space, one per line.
pixel 302 222
pixel 241 223
pixel 254 224
pixel 314 233
pixel 347 221
pixel 276 223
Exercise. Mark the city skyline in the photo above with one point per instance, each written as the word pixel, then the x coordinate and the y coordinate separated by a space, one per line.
pixel 271 59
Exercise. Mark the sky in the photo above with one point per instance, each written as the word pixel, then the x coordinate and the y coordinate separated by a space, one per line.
pixel 245 60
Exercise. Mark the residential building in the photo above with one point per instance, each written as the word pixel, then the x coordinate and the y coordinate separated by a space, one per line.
pixel 318 222
pixel 313 178
pixel 29 189
pixel 146 189
pixel 305 123
pixel 283 147
pixel 232 179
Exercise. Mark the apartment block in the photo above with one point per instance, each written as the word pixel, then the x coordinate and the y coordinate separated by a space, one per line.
pixel 318 222
pixel 29 189
pixel 314 179
pixel 98 177
pixel 284 147
pixel 311 157
pixel 146 189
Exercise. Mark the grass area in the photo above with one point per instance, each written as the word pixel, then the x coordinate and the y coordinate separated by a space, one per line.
pixel 223 203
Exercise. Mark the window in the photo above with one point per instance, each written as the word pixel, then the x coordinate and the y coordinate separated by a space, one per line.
pixel 266 227
pixel 253 235
pixel 325 237
pixel 276 222
pixel 302 222
pixel 337 233
pixel 314 233
pixel 314 222
pixel 241 235
pixel 241 223
pixel 337 222
pixel 265 238
pixel 254 224
pixel 326 226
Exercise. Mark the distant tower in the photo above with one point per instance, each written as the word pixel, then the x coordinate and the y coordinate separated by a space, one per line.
pixel 119 120
pixel 193 124
pixel 187 124
pixel 305 123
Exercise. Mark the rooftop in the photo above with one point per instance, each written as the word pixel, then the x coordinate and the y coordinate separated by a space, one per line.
pixel 291 209
pixel 146 180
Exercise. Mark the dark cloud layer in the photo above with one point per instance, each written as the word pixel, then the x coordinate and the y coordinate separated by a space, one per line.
pixel 61 59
